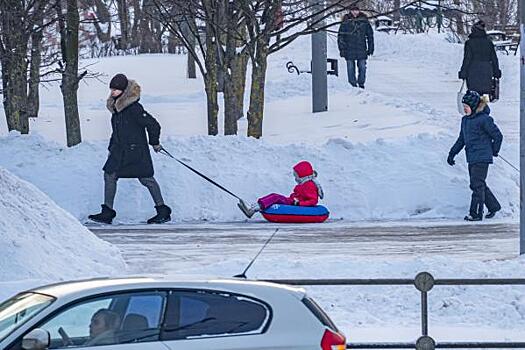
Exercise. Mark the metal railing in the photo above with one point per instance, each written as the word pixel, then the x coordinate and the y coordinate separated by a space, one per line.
pixel 423 282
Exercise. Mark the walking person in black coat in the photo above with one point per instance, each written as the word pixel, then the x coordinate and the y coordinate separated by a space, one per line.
pixel 356 42
pixel 480 62
pixel 129 155
pixel 482 141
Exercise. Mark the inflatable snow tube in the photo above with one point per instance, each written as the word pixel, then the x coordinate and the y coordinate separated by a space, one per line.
pixel 294 214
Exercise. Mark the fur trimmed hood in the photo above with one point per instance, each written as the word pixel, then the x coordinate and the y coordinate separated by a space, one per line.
pixel 128 97
pixel 483 103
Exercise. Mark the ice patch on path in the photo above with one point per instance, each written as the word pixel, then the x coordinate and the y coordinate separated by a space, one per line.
pixel 378 180
pixel 40 242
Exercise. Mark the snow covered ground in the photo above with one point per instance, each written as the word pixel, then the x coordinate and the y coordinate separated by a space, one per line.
pixel 380 153
pixel 339 250
pixel 41 242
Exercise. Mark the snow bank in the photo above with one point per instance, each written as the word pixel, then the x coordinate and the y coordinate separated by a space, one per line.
pixel 380 152
pixel 40 242
pixel 378 180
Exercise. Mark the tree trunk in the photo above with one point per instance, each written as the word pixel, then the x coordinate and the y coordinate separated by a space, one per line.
pixel 70 79
pixel 256 109
pixel 460 24
pixel 239 81
pixel 137 18
pixel 192 69
pixel 123 16
pixel 397 15
pixel 211 81
pixel 230 106
pixel 14 41
pixel 150 30
pixel 518 13
pixel 34 73
pixel 5 85
pixel 189 28
pixel 15 92
pixel 173 43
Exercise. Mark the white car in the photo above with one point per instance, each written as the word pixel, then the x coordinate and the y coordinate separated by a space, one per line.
pixel 144 313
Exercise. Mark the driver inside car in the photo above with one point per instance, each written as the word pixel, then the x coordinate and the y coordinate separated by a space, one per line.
pixel 104 324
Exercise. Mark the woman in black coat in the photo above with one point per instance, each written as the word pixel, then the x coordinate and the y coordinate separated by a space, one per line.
pixel 129 155
pixel 480 62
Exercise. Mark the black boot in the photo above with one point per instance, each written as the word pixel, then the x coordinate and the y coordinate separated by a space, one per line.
pixel 163 215
pixel 491 214
pixel 471 217
pixel 106 216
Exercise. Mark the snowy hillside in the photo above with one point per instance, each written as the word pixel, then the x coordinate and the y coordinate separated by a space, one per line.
pixel 41 242
pixel 380 152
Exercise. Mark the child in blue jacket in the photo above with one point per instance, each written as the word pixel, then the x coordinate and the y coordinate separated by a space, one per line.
pixel 482 141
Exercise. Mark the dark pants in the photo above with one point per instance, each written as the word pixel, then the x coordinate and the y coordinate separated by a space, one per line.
pixel 481 194
pixel 110 189
pixel 361 70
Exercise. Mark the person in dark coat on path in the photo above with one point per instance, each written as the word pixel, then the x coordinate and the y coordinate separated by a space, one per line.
pixel 480 62
pixel 129 155
pixel 356 42
pixel 482 141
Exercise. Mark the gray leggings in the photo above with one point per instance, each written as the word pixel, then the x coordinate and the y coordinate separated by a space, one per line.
pixel 110 189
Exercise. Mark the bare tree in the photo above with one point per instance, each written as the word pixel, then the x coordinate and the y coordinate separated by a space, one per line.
pixel 194 23
pixel 33 98
pixel 19 20
pixel 123 15
pixel 69 22
pixel 151 30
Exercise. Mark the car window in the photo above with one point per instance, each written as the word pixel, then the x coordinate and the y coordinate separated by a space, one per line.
pixel 16 311
pixel 115 319
pixel 193 314
pixel 149 306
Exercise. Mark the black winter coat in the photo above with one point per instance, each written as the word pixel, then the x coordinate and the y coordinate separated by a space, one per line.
pixel 356 38
pixel 480 136
pixel 480 62
pixel 129 155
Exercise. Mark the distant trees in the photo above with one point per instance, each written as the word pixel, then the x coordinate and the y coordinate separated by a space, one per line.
pixel 229 35
pixel 21 26
pixel 41 41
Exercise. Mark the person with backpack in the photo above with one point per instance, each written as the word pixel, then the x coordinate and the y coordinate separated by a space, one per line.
pixel 482 140
pixel 129 155
pixel 355 41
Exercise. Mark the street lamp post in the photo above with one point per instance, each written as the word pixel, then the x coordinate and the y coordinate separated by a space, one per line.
pixel 522 126
pixel 319 65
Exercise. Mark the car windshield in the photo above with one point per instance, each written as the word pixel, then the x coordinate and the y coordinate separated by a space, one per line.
pixel 20 309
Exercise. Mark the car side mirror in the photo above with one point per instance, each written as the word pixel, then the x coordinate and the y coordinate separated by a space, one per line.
pixel 37 339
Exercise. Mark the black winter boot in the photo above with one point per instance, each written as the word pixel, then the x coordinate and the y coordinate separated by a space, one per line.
pixel 163 215
pixel 106 216
pixel 473 218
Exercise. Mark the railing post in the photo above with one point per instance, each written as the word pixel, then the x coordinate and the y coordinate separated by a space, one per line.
pixel 424 313
pixel 424 282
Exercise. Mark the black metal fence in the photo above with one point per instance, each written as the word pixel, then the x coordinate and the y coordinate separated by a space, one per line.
pixel 423 282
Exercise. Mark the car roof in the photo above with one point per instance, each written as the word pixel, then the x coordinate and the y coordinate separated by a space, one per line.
pixel 90 287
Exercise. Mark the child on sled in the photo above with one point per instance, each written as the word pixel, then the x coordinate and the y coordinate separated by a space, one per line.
pixel 306 193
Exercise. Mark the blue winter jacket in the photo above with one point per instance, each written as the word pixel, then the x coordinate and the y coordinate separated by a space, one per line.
pixel 480 137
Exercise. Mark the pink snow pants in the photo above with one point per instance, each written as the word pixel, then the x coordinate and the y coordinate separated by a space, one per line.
pixel 273 198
